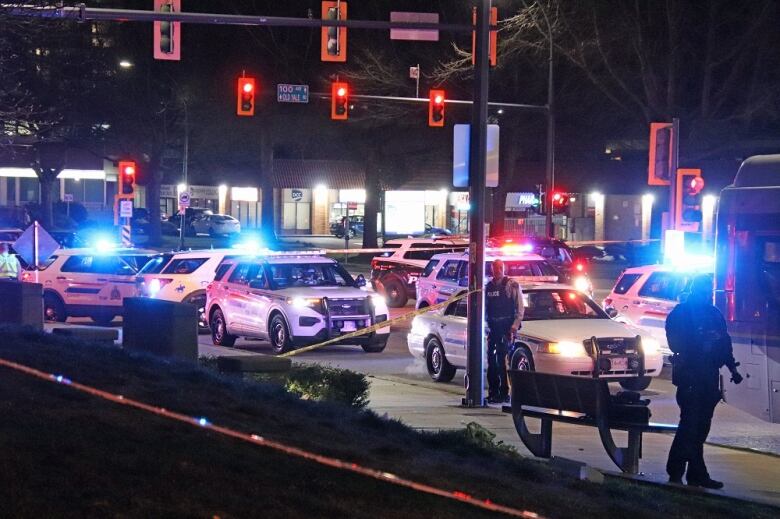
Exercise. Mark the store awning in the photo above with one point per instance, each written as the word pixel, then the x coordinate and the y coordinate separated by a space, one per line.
pixel 335 174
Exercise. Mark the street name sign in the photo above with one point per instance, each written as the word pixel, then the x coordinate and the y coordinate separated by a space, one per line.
pixel 292 93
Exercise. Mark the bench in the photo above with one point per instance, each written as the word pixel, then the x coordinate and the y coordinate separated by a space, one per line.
pixel 579 401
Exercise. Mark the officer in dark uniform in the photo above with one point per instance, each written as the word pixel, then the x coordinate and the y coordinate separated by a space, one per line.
pixel 504 313
pixel 696 332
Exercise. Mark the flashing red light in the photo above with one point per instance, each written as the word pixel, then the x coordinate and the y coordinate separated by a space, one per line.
pixel 580 267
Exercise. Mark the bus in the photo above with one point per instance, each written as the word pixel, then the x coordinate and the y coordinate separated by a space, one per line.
pixel 747 283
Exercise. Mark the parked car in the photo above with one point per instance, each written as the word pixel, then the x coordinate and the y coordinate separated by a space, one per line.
pixel 447 274
pixel 292 299
pixel 89 282
pixel 356 223
pixel 394 273
pixel 215 225
pixel 644 296
pixel 564 332
pixel 190 214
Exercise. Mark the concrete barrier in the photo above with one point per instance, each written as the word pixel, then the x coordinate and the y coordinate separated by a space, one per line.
pixel 160 327
pixel 21 303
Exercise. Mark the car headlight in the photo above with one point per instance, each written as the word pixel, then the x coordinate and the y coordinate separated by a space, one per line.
pixel 582 283
pixel 154 287
pixel 303 302
pixel 564 349
pixel 377 300
pixel 650 346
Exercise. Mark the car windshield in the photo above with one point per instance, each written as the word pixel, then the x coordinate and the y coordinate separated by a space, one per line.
pixel 290 275
pixel 542 305
pixel 156 264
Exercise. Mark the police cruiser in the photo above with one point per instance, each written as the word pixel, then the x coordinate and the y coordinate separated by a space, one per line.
pixel 88 282
pixel 564 332
pixel 292 300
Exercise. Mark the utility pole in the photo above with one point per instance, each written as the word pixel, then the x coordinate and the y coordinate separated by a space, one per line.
pixel 185 160
pixel 475 355
pixel 550 169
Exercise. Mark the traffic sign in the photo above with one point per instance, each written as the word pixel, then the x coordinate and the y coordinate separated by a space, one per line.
pixel 67 197
pixel 25 245
pixel 460 155
pixel 292 93
pixel 184 199
pixel 125 208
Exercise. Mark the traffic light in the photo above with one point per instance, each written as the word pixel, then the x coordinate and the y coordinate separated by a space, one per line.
pixel 339 106
pixel 659 171
pixel 334 39
pixel 127 172
pixel 492 42
pixel 436 108
pixel 560 202
pixel 167 35
pixel 688 215
pixel 245 103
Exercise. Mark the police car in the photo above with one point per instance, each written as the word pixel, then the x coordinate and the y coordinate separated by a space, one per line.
pixel 447 274
pixel 88 282
pixel 182 277
pixel 564 332
pixel 292 299
pixel 394 273
pixel 644 296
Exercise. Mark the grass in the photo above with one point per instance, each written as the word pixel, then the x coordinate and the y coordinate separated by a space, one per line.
pixel 64 453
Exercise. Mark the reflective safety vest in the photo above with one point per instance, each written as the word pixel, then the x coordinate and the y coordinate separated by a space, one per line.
pixel 9 266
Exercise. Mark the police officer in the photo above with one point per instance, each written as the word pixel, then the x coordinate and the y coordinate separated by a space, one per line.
pixel 9 265
pixel 696 332
pixel 504 313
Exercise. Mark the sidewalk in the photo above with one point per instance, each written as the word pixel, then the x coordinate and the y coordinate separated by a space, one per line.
pixel 425 406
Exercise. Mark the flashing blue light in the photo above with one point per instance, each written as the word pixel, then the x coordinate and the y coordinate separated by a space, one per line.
pixel 62 380
pixel 104 245
pixel 203 422
pixel 250 246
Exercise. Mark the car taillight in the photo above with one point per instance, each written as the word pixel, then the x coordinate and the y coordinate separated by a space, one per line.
pixel 580 267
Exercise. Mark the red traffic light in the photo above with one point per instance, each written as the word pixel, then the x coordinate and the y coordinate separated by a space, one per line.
pixel 245 104
pixel 695 185
pixel 339 106
pixel 436 108
pixel 126 179
pixel 557 197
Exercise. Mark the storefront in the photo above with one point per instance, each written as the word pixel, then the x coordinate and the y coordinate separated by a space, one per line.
pixel 459 212
pixel 244 204
pixel 91 188
pixel 408 212
pixel 296 211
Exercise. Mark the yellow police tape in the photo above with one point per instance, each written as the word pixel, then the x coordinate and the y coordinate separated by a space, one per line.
pixel 383 324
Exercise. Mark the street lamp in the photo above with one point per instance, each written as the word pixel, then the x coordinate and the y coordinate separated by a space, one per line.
pixel 125 64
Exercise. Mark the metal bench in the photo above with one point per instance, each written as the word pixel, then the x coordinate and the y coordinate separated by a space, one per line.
pixel 579 401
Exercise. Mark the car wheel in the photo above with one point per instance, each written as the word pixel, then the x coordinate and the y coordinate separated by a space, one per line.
pixel 439 368
pixel 378 346
pixel 54 308
pixel 103 319
pixel 395 293
pixel 636 384
pixel 219 331
pixel 280 335
pixel 199 301
pixel 522 360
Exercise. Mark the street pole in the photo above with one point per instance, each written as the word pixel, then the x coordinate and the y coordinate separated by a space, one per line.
pixel 550 169
pixel 475 356
pixel 673 165
pixel 185 173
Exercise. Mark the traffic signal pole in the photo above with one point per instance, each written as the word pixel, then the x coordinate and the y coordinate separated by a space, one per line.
pixel 475 354
pixel 673 166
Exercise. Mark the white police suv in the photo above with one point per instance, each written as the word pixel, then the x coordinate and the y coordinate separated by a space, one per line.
pixel 88 282
pixel 447 274
pixel 292 299
pixel 564 332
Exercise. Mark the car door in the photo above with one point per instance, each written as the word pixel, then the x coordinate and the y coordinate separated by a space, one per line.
pixel 237 301
pixel 454 332
pixel 116 275
pixel 657 297
pixel 447 280
pixel 625 291
pixel 258 301
pixel 75 282
pixel 425 283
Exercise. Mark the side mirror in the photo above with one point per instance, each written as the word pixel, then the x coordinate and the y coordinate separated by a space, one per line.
pixel 360 281
pixel 257 283
pixel 611 312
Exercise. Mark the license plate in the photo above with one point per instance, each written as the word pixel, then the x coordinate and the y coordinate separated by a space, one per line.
pixel 619 364
pixel 348 326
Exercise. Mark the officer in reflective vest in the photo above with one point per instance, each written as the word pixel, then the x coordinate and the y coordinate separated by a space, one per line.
pixel 9 265
pixel 504 313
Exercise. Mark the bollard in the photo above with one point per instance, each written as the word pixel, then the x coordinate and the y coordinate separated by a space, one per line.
pixel 160 327
pixel 21 303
